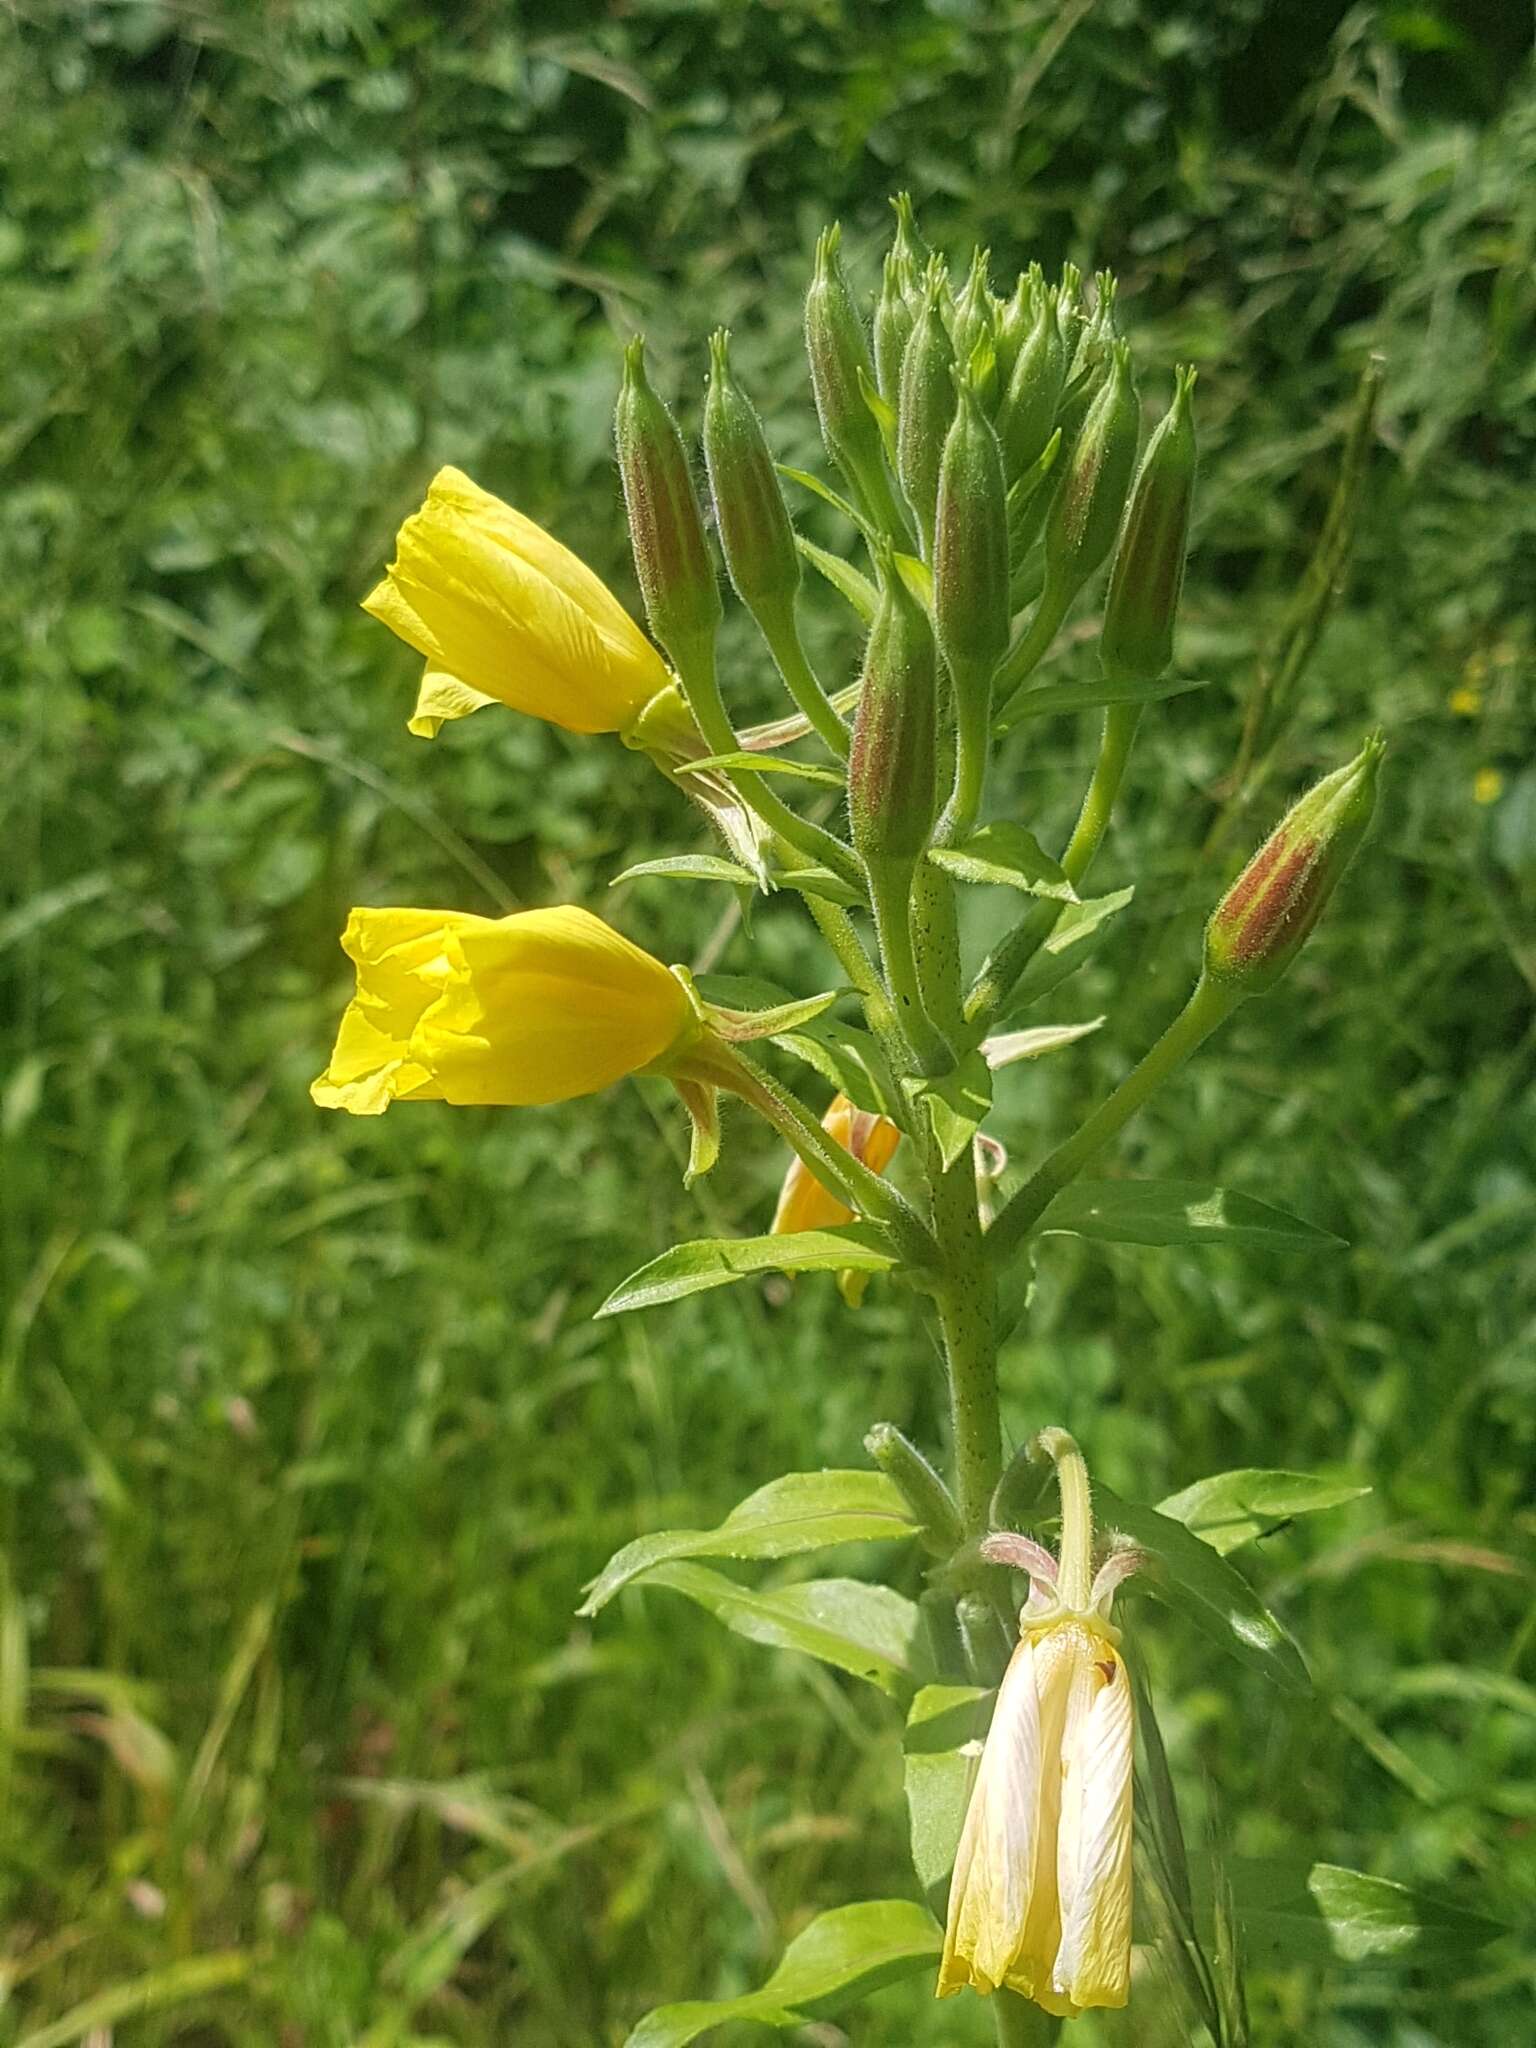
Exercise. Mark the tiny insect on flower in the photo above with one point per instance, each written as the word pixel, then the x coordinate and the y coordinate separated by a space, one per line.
pixel 1040 1900
pixel 503 613
pixel 532 1008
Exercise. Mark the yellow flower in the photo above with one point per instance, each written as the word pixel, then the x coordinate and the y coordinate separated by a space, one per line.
pixel 804 1204
pixel 1040 1899
pixel 502 611
pixel 1487 786
pixel 536 1007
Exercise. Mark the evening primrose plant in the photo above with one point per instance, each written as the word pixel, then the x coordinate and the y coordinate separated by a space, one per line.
pixel 987 458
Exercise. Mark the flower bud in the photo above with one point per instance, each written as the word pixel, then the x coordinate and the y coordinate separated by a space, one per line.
pixel 909 243
pixel 1261 923
pixel 756 536
pixel 895 317
pixel 972 323
pixel 1012 320
pixel 666 532
pixel 1028 411
pixel 1085 513
pixel 838 350
pixel 1144 585
pixel 970 549
pixel 919 1486
pixel 926 406
pixel 892 782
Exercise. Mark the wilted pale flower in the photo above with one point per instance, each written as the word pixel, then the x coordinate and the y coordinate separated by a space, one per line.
pixel 531 1008
pixel 804 1204
pixel 1040 1900
pixel 504 613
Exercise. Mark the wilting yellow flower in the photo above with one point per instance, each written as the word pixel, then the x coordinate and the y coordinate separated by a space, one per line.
pixel 502 611
pixel 804 1204
pixel 1040 1899
pixel 535 1007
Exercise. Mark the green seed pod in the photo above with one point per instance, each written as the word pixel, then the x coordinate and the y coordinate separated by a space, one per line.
pixel 756 536
pixel 1085 512
pixel 970 549
pixel 895 317
pixel 1028 414
pixel 1144 585
pixel 672 560
pixel 838 350
pixel 926 406
pixel 1261 923
pixel 892 784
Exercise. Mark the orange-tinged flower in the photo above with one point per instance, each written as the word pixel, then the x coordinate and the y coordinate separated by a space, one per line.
pixel 503 612
pixel 532 1008
pixel 804 1204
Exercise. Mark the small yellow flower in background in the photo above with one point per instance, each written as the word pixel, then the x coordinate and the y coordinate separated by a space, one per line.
pixel 1487 786
pixel 1040 1900
pixel 804 1204
pixel 536 1007
pixel 1465 702
pixel 504 613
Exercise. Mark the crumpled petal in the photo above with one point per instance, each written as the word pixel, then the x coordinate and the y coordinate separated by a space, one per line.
pixel 440 698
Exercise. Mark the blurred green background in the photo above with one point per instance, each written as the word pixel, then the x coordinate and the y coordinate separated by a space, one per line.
pixel 309 1441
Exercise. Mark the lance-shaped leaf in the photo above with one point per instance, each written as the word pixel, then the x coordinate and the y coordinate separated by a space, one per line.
pixel 744 1026
pixel 945 1730
pixel 1070 943
pixel 690 867
pixel 1178 1212
pixel 840 1958
pixel 1294 1912
pixel 740 762
pixel 1091 693
pixel 802 1511
pixel 863 1629
pixel 844 578
pixel 1011 1046
pixel 954 1105
pixel 850 1058
pixel 718 1261
pixel 1230 1509
pixel 1007 855
pixel 1213 1594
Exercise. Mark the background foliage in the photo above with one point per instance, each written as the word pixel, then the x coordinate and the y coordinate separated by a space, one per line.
pixel 308 1440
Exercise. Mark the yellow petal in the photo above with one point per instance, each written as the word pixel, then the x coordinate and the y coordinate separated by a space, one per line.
pixel 1093 1966
pixel 532 1008
pixel 440 698
pixel 804 1204
pixel 495 601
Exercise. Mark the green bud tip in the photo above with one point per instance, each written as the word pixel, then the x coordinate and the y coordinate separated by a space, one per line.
pixel 672 562
pixel 1144 586
pixel 1261 923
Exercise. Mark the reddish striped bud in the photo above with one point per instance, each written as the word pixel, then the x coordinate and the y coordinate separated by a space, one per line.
pixel 892 774
pixel 666 531
pixel 927 405
pixel 1144 585
pixel 1085 513
pixel 1262 922
pixel 838 350
pixel 756 536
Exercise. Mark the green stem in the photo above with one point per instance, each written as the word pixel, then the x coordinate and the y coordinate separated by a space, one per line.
pixel 836 927
pixel 973 752
pixel 1209 1006
pixel 1026 653
pixel 966 1300
pixel 701 687
pixel 780 630
pixel 890 895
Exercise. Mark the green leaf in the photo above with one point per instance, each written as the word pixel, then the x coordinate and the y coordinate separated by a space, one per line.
pixel 825 492
pixel 1321 1913
pixel 945 1729
pixel 863 1629
pixel 1177 1212
pixel 918 578
pixel 802 1511
pixel 821 883
pixel 1072 941
pixel 1011 1046
pixel 848 1057
pixel 744 1026
pixel 1007 855
pixel 840 1958
pixel 1092 692
pixel 844 578
pixel 955 1104
pixel 1191 1578
pixel 1231 1508
pixel 717 1261
pixel 743 763
pixel 690 867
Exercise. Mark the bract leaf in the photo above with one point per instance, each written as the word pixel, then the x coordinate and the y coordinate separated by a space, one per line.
pixel 690 867
pixel 743 763
pixel 1230 1509
pixel 1092 692
pixel 717 1261
pixel 1178 1212
pixel 840 1958
pixel 954 1105
pixel 1072 941
pixel 851 583
pixel 1011 1046
pixel 1008 855
pixel 802 1511
pixel 859 1628
pixel 1191 1578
